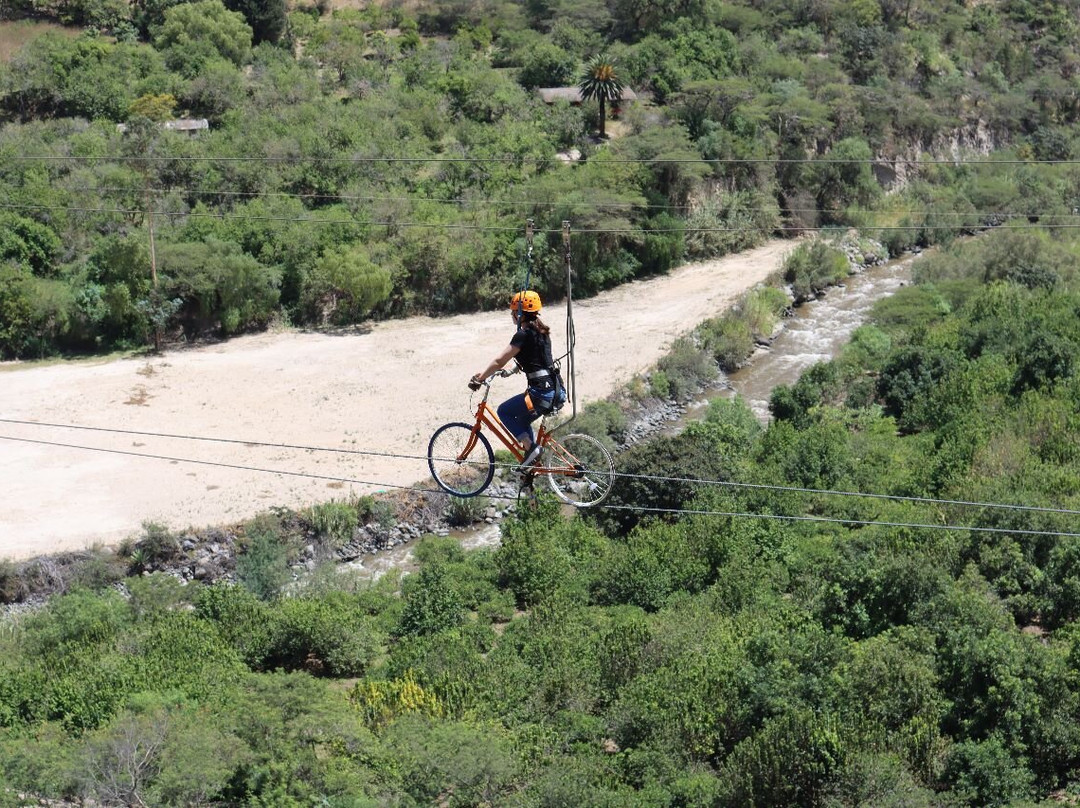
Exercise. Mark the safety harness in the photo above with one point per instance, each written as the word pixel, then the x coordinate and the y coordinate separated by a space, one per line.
pixel 544 378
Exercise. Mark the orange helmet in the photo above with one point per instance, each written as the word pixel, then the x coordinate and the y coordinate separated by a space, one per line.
pixel 527 301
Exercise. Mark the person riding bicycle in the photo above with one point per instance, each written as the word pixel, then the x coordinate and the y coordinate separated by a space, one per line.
pixel 530 347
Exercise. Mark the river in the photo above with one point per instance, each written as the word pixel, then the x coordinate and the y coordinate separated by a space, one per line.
pixel 815 333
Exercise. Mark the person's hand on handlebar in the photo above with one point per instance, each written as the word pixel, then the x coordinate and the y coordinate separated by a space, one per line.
pixel 478 379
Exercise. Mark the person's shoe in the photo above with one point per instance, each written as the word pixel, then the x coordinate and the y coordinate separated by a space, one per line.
pixel 531 458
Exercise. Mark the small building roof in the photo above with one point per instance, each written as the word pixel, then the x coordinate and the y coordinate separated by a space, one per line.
pixel 187 124
pixel 178 125
pixel 572 94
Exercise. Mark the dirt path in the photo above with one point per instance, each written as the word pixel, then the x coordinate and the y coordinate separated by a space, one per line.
pixel 386 390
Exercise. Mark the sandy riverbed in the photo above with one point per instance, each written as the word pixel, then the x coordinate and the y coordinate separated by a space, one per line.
pixel 385 391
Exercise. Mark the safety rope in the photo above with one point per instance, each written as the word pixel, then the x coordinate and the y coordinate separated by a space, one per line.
pixel 571 337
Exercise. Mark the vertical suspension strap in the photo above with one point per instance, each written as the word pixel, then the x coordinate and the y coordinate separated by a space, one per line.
pixel 528 262
pixel 571 386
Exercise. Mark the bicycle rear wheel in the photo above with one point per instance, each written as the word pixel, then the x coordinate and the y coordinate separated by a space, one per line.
pixel 461 462
pixel 579 470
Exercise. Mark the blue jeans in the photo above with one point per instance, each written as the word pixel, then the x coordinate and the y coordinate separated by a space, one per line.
pixel 516 415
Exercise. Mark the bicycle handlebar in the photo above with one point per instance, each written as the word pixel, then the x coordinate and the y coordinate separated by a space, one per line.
pixel 475 385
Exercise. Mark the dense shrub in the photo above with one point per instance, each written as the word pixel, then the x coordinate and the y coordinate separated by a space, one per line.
pixel 812 267
pixel 664 464
pixel 687 368
pixel 729 339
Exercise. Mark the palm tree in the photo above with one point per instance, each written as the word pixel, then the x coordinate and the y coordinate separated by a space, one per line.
pixel 599 81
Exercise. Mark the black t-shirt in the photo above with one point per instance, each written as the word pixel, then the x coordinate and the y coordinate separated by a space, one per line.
pixel 534 350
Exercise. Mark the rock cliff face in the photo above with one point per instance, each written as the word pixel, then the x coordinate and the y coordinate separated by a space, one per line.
pixel 895 171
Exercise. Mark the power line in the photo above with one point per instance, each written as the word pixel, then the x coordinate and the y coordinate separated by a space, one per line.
pixel 417 199
pixel 508 228
pixel 961 161
pixel 647 477
pixel 240 217
pixel 484 204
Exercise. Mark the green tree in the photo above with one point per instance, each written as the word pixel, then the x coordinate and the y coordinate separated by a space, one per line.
pixel 154 107
pixel 432 604
pixel 159 751
pixel 546 65
pixel 345 285
pixel 475 763
pixel 193 34
pixel 29 242
pixel 267 18
pixel 843 177
pixel 219 284
pixel 601 83
pixel 985 773
pixel 667 469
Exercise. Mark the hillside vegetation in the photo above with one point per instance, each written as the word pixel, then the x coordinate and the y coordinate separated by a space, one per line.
pixel 773 643
pixel 872 601
pixel 380 161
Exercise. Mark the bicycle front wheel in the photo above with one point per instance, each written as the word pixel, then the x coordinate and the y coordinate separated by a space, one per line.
pixel 460 460
pixel 579 470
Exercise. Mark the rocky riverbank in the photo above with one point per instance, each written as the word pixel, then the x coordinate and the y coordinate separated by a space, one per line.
pixel 212 554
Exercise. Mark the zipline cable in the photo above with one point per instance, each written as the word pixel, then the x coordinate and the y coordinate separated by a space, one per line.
pixel 237 441
pixel 647 477
pixel 217 464
pixel 831 520
pixel 688 511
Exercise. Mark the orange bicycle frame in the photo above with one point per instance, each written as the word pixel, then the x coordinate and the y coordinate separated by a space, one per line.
pixel 485 417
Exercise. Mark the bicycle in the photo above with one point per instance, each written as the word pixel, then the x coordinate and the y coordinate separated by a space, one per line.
pixel 577 467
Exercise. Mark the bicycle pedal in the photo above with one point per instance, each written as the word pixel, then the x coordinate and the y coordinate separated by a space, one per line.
pixel 525 487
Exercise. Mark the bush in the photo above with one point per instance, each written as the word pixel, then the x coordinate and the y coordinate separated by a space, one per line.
pixel 688 368
pixel 688 455
pixel 659 386
pixel 156 546
pixel 463 511
pixel 729 339
pixel 735 421
pixel 431 603
pixel 263 567
pixel 813 267
pixel 789 761
pixel 242 620
pixel 653 565
pixel 985 773
pixel 821 384
pixel 763 308
pixel 344 286
pixel 728 222
pixel 324 636
pixel 603 420
pixel 543 558
pixel 13 588
pixel 908 374
pixel 333 521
